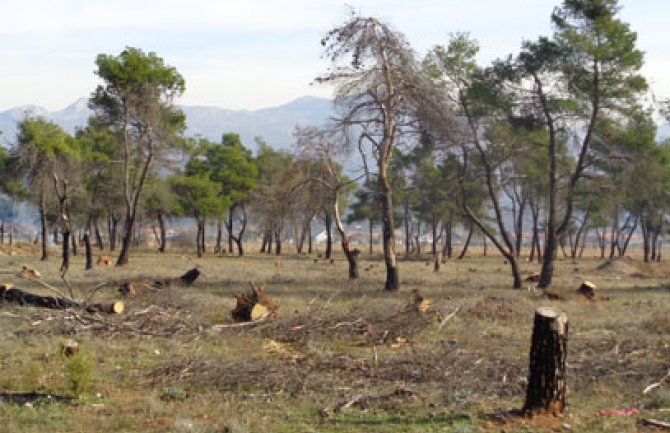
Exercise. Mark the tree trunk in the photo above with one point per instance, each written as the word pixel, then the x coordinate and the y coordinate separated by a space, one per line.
pixel 264 242
pixel 43 223
pixel 278 242
pixel 546 390
pixel 535 209
pixel 74 244
pixel 65 265
pixel 112 225
pixel 198 244
pixel 626 242
pixel 240 236
pixel 370 235
pixel 229 226
pixel 329 235
pixel 408 236
pixel 448 238
pixel 388 234
pixel 89 251
pixel 203 244
pixel 161 231
pixel 351 255
pixel 219 237
pixel 19 297
pixel 614 239
pixel 518 227
pixel 309 238
pixel 433 228
pixel 98 237
pixel 645 239
pixel 418 238
pixel 467 242
pixel 126 239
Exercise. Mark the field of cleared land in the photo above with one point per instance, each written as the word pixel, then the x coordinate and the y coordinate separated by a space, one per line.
pixel 342 356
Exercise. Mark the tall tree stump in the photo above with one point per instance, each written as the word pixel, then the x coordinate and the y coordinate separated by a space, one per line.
pixel 546 376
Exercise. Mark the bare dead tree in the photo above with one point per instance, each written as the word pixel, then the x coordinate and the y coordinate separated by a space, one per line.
pixel 324 147
pixel 378 87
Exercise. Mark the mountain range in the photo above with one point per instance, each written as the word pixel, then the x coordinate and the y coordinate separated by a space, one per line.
pixel 274 124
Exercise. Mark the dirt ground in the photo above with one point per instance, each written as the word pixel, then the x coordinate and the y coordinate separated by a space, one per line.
pixel 342 356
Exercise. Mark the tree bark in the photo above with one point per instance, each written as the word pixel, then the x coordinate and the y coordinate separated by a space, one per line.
pixel 198 244
pixel 229 227
pixel 161 232
pixel 329 235
pixel 388 231
pixel 43 223
pixel 370 232
pixel 309 238
pixel 448 238
pixel 467 242
pixel 408 236
pixel 546 390
pixel 278 243
pixel 98 237
pixel 74 244
pixel 89 251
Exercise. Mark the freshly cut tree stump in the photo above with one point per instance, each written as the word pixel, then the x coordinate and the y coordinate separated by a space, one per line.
pixel 587 289
pixel 29 273
pixel 70 348
pixel 254 305
pixel 546 389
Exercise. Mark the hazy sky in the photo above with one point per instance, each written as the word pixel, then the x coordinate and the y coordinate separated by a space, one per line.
pixel 258 53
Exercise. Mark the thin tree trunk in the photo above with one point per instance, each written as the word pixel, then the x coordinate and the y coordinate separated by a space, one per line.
pixel 408 236
pixel 74 244
pixel 370 235
pixel 329 235
pixel 467 242
pixel 388 234
pixel 278 242
pixel 350 254
pixel 229 226
pixel 309 238
pixel 518 227
pixel 629 236
pixel 89 251
pixel 98 236
pixel 219 237
pixel 161 230
pixel 43 223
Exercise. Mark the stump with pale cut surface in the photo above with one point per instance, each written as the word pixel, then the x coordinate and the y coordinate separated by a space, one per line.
pixel 546 389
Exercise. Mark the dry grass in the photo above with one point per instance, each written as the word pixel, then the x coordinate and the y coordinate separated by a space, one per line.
pixel 160 367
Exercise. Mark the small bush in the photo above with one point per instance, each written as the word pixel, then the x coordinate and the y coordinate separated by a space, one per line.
pixel 79 371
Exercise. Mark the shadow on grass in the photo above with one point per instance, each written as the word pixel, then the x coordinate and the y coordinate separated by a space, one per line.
pixel 21 398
